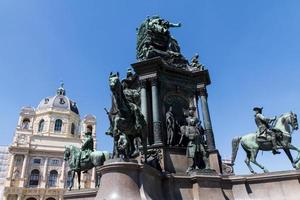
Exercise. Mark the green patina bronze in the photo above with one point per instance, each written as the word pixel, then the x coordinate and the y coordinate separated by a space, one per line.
pixel 84 158
pixel 127 123
pixel 154 39
pixel 268 138
pixel 196 147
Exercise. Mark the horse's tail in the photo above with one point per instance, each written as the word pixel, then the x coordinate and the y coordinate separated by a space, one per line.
pixel 235 147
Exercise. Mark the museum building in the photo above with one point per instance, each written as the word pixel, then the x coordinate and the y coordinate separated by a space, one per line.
pixel 37 169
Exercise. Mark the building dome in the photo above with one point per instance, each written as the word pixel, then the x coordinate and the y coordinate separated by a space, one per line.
pixel 60 101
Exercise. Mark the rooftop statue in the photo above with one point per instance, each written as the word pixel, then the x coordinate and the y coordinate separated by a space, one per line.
pixel 268 137
pixel 195 64
pixel 84 158
pixel 154 39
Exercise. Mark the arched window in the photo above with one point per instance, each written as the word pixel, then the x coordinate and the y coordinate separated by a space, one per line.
pixel 52 178
pixel 58 125
pixel 25 123
pixel 34 178
pixel 89 128
pixel 73 129
pixel 31 198
pixel 41 125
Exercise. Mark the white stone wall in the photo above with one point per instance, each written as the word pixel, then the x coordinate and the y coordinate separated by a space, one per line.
pixel 46 145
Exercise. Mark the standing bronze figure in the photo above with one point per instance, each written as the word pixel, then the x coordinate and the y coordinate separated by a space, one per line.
pixel 196 148
pixel 170 123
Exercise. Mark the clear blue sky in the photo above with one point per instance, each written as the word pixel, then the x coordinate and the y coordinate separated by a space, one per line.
pixel 251 49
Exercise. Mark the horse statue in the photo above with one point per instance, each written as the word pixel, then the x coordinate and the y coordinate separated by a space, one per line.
pixel 125 117
pixel 284 126
pixel 96 158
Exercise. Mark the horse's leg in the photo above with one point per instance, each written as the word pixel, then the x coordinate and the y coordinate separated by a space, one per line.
pixel 168 137
pixel 171 140
pixel 247 161
pixel 72 181
pixel 292 147
pixel 78 176
pixel 116 152
pixel 289 155
pixel 253 160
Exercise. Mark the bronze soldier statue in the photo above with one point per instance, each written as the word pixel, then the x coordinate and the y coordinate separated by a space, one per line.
pixel 122 146
pixel 170 123
pixel 86 149
pixel 196 148
pixel 264 128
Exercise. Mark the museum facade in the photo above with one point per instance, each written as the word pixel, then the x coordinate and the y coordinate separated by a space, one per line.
pixel 37 169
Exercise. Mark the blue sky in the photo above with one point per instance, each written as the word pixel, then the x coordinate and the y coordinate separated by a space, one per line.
pixel 251 49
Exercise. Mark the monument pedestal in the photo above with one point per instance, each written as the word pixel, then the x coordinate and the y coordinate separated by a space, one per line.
pixel 129 180
pixel 175 160
pixel 215 161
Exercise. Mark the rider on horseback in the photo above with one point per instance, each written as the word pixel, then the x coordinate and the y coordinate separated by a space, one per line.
pixel 264 128
pixel 86 149
pixel 132 95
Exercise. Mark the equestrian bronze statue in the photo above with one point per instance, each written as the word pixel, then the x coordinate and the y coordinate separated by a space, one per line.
pixel 125 117
pixel 84 158
pixel 268 138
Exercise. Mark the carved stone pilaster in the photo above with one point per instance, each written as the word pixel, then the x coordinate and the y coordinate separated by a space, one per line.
pixel 157 132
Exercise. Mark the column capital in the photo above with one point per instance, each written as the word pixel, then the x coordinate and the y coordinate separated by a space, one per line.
pixel 154 81
pixel 202 91
pixel 143 83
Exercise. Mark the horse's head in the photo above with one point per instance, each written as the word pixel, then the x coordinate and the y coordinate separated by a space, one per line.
pixel 114 81
pixel 67 153
pixel 293 121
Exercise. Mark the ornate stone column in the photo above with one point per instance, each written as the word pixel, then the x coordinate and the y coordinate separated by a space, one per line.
pixel 206 118
pixel 62 176
pixel 11 167
pixel 24 169
pixel 156 113
pixel 144 105
pixel 25 161
pixel 44 180
pixel 144 99
pixel 214 157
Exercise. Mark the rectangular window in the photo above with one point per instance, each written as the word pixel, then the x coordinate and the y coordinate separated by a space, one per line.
pixel 54 162
pixel 36 161
pixel 18 161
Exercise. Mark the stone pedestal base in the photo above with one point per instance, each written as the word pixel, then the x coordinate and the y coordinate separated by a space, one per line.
pixel 215 161
pixel 175 160
pixel 138 182
pixel 129 180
